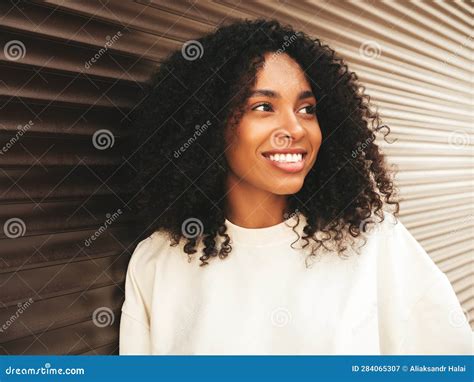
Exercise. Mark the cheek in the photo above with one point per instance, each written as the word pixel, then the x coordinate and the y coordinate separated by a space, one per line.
pixel 315 136
pixel 245 144
pixel 248 140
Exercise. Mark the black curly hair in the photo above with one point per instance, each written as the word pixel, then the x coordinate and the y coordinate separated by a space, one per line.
pixel 199 92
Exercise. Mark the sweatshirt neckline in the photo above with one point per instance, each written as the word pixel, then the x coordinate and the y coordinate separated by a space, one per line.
pixel 260 237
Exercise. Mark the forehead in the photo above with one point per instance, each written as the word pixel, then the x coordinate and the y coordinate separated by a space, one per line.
pixel 281 72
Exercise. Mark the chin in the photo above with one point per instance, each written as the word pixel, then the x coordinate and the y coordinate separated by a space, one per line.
pixel 287 189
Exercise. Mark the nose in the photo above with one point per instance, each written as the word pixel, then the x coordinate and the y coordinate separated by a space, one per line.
pixel 290 126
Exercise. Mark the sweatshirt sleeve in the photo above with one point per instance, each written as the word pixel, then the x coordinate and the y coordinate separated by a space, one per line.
pixel 134 322
pixel 437 324
pixel 421 312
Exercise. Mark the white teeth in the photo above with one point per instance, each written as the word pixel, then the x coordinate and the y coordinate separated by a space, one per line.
pixel 287 158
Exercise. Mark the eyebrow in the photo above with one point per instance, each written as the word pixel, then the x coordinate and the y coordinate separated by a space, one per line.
pixel 272 94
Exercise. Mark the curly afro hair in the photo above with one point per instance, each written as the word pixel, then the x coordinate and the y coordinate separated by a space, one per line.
pixel 199 92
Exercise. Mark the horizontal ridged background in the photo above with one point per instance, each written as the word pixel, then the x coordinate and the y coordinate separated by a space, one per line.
pixel 415 59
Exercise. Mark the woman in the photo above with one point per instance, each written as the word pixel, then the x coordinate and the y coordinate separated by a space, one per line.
pixel 255 150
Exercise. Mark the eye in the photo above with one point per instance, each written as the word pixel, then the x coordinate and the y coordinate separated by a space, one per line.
pixel 266 104
pixel 310 109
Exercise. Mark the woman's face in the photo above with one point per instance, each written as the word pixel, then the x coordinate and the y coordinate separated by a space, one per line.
pixel 278 138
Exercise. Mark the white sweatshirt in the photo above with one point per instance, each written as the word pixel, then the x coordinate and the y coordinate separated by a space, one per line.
pixel 389 299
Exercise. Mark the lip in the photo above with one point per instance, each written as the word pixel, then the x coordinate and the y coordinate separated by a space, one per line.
pixel 293 167
pixel 289 151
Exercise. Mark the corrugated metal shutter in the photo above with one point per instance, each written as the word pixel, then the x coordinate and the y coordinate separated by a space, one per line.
pixel 414 57
pixel 59 181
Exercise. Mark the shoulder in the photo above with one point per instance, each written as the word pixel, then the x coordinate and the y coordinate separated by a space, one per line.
pixel 155 252
pixel 401 259
pixel 394 235
pixel 416 297
pixel 395 240
pixel 148 251
pixel 382 227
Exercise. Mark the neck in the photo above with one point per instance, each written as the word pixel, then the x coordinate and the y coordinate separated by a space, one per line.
pixel 251 207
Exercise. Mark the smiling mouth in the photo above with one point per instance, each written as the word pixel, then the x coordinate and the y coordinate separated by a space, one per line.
pixel 285 157
pixel 288 162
